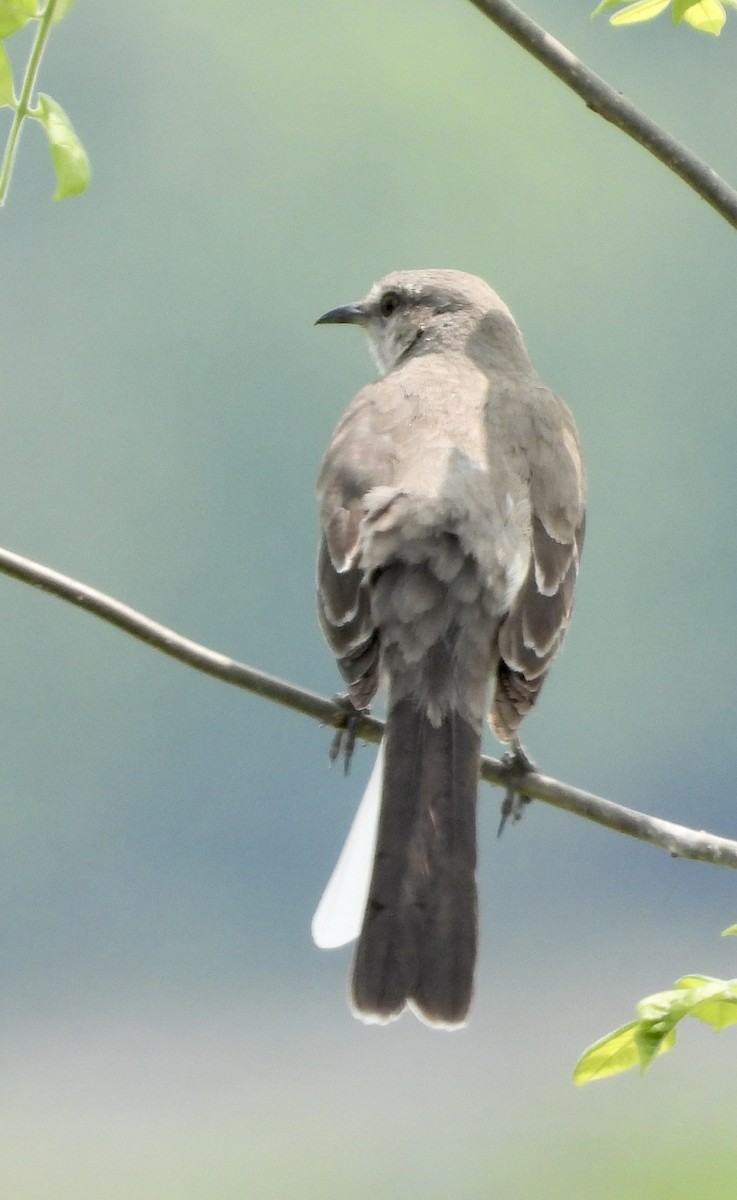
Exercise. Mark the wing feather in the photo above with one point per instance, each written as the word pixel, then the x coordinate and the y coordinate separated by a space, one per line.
pixel 533 630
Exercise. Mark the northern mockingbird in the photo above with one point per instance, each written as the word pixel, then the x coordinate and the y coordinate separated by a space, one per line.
pixel 452 512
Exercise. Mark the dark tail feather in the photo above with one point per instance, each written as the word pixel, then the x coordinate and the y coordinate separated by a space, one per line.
pixel 418 942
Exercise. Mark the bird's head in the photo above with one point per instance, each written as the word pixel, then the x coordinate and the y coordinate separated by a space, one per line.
pixel 416 312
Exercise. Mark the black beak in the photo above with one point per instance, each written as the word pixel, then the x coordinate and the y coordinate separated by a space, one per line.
pixel 349 314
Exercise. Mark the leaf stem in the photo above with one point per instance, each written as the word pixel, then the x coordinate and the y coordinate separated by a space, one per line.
pixel 24 101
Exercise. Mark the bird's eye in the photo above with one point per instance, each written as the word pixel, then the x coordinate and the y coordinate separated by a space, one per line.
pixel 389 304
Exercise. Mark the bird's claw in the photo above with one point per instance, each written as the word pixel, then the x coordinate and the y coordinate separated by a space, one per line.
pixel 346 722
pixel 516 763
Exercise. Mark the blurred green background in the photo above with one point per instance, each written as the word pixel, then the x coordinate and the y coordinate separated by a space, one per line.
pixel 166 1026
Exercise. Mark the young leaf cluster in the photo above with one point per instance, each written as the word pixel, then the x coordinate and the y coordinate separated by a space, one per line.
pixel 708 16
pixel 713 1001
pixel 68 157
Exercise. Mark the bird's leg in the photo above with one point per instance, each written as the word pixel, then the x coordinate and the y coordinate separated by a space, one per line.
pixel 517 763
pixel 346 722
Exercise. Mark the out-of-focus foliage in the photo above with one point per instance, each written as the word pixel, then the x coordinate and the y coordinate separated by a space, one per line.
pixel 14 14
pixel 68 156
pixel 713 1001
pixel 707 16
pixel 71 164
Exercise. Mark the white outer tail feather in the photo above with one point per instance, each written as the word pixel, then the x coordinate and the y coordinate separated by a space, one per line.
pixel 339 915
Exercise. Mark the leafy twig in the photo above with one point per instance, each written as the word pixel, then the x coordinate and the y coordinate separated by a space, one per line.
pixel 67 153
pixel 707 16
pixel 713 1001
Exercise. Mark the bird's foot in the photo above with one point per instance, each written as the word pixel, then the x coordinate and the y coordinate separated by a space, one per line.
pixel 516 764
pixel 347 722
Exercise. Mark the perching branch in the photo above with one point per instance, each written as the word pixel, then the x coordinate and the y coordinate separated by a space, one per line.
pixel 612 105
pixel 678 840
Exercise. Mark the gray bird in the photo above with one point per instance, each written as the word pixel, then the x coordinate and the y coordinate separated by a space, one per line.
pixel 452 512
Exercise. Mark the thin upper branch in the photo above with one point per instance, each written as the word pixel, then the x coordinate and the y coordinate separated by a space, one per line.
pixel 612 105
pixel 676 839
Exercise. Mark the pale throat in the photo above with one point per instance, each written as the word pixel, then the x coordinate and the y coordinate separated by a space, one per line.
pixel 389 346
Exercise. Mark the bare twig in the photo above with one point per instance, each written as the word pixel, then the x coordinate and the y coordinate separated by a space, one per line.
pixel 676 839
pixel 171 643
pixel 612 105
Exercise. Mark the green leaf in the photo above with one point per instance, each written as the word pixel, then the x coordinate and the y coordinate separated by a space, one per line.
pixel 669 1005
pixel 605 4
pixel 653 1038
pixel 711 1000
pixel 731 930
pixel 6 80
pixel 61 10
pixel 714 1001
pixel 642 10
pixel 705 990
pixel 14 14
pixel 708 16
pixel 614 1053
pixel 634 1045
pixel 718 1012
pixel 71 164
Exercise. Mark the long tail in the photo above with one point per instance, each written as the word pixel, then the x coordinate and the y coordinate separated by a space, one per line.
pixel 418 941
